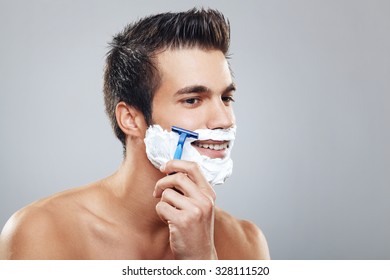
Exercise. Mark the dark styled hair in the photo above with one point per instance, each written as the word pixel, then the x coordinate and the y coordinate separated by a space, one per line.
pixel 130 72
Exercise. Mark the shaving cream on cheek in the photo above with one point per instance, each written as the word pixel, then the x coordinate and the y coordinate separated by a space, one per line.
pixel 161 145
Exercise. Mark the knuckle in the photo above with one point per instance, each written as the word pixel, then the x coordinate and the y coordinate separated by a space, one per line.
pixel 194 167
pixel 193 216
pixel 197 212
pixel 208 206
pixel 181 178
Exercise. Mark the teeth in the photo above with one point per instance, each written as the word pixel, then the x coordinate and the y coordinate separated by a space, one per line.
pixel 216 147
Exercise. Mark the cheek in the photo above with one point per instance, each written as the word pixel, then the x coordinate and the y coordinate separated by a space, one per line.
pixel 190 120
pixel 175 116
pixel 162 116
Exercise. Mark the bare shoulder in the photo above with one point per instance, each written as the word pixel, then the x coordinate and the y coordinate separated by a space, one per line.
pixel 41 230
pixel 238 239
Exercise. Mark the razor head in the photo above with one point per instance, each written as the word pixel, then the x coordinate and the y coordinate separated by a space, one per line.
pixel 188 133
pixel 183 135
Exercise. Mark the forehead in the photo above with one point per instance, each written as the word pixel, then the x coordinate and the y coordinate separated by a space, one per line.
pixel 185 67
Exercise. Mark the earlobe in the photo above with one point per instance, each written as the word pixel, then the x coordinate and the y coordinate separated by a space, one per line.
pixel 129 119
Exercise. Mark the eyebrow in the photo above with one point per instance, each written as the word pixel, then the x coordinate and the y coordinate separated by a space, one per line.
pixel 202 89
pixel 231 87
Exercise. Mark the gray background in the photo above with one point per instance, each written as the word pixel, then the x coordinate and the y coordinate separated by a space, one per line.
pixel 312 157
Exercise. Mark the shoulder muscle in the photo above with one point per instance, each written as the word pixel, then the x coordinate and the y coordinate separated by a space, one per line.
pixel 238 239
pixel 255 240
pixel 31 233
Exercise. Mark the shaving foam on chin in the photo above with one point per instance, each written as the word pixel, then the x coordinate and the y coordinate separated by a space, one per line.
pixel 161 145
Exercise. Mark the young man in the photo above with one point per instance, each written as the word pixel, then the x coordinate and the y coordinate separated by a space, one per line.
pixel 168 69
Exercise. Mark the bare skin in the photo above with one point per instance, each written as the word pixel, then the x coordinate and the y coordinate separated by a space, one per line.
pixel 139 212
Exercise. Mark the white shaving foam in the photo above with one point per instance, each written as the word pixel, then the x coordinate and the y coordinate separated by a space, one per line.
pixel 161 145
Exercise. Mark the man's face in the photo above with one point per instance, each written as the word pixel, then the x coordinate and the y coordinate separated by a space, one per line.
pixel 196 92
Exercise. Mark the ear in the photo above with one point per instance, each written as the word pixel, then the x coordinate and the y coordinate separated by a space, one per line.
pixel 130 120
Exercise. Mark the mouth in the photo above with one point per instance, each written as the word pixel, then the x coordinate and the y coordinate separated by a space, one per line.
pixel 212 149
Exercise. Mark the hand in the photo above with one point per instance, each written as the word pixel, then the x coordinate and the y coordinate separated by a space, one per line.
pixel 187 206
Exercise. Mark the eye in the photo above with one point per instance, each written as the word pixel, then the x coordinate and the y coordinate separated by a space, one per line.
pixel 192 101
pixel 227 99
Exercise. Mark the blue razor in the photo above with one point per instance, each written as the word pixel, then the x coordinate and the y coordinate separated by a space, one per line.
pixel 183 136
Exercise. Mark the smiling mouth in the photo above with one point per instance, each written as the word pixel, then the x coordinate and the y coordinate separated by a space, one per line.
pixel 215 145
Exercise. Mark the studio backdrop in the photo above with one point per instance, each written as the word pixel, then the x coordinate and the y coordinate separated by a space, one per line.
pixel 312 155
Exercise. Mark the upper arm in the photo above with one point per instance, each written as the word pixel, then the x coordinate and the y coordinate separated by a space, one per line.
pixel 31 234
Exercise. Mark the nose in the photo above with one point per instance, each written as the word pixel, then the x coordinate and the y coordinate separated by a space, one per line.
pixel 220 115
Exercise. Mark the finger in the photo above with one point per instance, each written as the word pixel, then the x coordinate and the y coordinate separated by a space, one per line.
pixel 179 181
pixel 166 212
pixel 191 168
pixel 193 171
pixel 175 199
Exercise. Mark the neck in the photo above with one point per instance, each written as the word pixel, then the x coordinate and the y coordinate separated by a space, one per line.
pixel 132 186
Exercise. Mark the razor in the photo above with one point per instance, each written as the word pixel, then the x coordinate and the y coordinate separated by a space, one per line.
pixel 184 134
